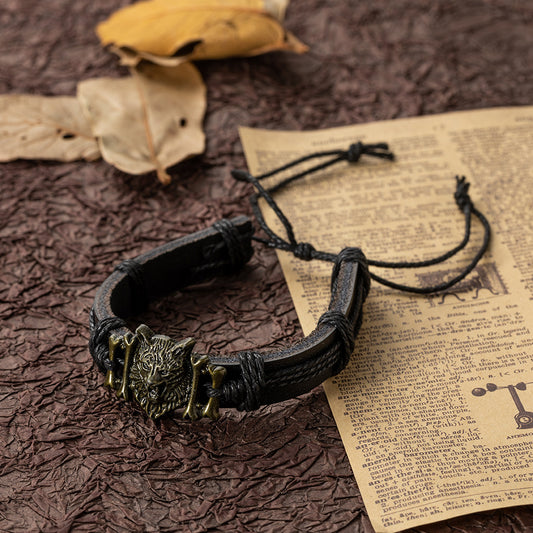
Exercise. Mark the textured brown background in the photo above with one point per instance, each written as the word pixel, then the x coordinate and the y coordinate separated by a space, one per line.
pixel 76 459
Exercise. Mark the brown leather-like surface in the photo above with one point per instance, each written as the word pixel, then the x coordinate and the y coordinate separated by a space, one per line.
pixel 76 459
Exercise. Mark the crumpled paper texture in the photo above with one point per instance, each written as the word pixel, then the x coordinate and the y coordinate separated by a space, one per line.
pixel 74 458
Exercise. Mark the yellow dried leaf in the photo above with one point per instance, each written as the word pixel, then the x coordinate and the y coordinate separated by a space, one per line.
pixel 199 29
pixel 148 121
pixel 44 127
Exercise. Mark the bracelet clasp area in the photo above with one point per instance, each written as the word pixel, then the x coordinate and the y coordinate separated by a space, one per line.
pixel 163 374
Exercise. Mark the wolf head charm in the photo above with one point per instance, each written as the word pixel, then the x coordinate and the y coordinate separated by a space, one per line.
pixel 161 372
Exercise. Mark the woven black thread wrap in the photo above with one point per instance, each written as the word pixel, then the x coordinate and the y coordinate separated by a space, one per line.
pixel 352 255
pixel 253 379
pixel 248 391
pixel 345 333
pixel 99 340
pixel 237 248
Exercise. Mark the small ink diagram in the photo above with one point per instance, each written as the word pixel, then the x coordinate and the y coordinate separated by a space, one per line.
pixel 524 419
pixel 483 282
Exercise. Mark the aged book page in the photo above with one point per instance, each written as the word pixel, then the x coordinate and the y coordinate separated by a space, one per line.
pixel 436 406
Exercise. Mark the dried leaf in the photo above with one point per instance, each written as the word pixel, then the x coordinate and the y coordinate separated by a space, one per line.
pixel 276 8
pixel 148 121
pixel 41 127
pixel 198 29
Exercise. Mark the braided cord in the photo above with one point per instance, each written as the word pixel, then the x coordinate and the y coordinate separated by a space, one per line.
pixel 99 339
pixel 307 252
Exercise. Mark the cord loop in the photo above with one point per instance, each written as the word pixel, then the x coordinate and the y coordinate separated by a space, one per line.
pixel 306 251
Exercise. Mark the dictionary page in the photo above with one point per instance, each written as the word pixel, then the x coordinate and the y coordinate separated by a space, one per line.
pixel 435 408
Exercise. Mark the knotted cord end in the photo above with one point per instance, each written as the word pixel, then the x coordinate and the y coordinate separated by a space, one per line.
pixel 462 198
pixel 380 150
pixel 241 175
pixel 354 152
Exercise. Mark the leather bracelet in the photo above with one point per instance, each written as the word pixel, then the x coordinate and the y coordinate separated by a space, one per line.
pixel 162 374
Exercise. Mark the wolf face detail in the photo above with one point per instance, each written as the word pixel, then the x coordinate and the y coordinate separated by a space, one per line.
pixel 161 372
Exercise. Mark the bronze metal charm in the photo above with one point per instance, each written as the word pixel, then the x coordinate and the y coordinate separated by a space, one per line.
pixel 163 374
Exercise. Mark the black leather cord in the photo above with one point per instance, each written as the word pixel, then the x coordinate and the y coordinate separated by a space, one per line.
pixel 306 251
pixel 352 155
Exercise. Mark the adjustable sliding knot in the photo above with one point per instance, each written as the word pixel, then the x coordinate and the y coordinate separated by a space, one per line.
pixel 238 252
pixel 304 251
pixel 355 151
pixel 462 198
pixel 345 334
pixel 98 342
pixel 135 273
